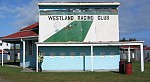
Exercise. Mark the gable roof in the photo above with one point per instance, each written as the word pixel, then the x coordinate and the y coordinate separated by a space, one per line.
pixel 27 32
pixel 30 26
pixel 22 34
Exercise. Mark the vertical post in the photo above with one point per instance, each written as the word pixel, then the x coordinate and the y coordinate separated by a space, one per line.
pixel 14 53
pixel 124 55
pixel 84 62
pixel 133 56
pixel 2 55
pixel 129 54
pixel 142 60
pixel 37 58
pixel 92 58
pixel 24 53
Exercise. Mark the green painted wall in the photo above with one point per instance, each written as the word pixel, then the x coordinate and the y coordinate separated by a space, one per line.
pixel 75 31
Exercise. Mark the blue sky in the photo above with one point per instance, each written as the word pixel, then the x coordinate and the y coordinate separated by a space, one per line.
pixel 134 16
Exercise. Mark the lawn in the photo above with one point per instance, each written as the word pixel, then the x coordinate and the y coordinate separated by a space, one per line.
pixel 10 74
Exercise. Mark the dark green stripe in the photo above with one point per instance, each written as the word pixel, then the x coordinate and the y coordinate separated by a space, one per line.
pixel 77 6
pixel 82 12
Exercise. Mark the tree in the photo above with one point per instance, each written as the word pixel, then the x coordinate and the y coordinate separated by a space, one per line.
pixel 132 39
pixel 123 39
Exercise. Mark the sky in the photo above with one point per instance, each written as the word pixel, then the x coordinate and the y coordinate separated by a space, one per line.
pixel 134 16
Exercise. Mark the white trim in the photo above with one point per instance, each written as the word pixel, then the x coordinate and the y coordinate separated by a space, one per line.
pixel 142 58
pixel 129 54
pixel 79 3
pixel 18 38
pixel 89 44
pixel 37 58
pixel 23 53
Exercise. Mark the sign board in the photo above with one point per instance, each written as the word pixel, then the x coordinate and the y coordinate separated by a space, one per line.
pixel 78 25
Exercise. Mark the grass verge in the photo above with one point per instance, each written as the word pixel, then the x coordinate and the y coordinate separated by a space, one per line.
pixel 14 75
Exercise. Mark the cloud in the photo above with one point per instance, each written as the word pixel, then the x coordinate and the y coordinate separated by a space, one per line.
pixel 26 14
pixel 133 14
pixel 4 10
pixel 22 14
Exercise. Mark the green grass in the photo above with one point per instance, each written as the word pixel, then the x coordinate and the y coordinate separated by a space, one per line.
pixel 11 74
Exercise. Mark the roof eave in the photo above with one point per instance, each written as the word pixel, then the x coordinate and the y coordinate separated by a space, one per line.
pixel 19 38
pixel 79 3
pixel 109 42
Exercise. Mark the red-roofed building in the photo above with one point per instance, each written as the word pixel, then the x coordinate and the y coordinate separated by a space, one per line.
pixel 135 53
pixel 5 52
pixel 5 56
pixel 28 32
pixel 26 38
pixel 33 26
pixel 147 53
pixel 146 48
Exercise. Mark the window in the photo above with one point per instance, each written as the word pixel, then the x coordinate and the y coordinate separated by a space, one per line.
pixel 62 54
pixel 94 54
pixel 72 54
pixel 102 54
pixel 43 53
pixel 148 55
pixel 82 54
pixel 112 54
pixel 52 54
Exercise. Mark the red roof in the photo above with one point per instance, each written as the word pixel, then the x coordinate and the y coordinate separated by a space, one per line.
pixel 30 26
pixel 132 47
pixel 4 52
pixel 146 48
pixel 28 31
pixel 22 34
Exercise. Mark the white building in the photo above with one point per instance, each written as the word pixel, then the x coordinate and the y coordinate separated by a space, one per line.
pixel 5 46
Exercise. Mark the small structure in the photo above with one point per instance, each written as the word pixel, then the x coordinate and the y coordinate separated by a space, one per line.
pixel 3 53
pixel 135 53
pixel 147 54
pixel 124 52
pixel 26 37
pixel 5 56
pixel 16 55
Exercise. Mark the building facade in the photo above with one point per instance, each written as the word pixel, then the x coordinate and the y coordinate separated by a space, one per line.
pixel 26 38
pixel 4 45
pixel 79 23
pixel 73 36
